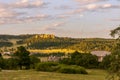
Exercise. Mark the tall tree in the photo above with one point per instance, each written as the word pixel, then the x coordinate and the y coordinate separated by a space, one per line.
pixel 115 32
pixel 23 57
pixel 114 68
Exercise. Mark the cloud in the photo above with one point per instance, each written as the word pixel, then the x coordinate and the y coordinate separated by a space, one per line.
pixel 34 18
pixel 27 4
pixel 62 16
pixel 102 6
pixel 92 6
pixel 88 1
pixel 63 7
pixel 107 5
pixel 53 26
pixel 9 14
pixel 117 19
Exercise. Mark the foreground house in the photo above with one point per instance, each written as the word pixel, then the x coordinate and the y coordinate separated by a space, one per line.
pixel 100 54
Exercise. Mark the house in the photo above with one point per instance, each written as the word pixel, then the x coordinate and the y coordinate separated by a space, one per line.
pixel 100 54
pixel 53 58
pixel 6 53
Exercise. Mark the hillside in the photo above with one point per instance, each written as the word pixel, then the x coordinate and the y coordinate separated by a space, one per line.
pixel 50 41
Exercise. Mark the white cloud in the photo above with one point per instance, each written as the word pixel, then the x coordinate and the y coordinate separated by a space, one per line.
pixel 9 14
pixel 91 6
pixel 53 26
pixel 88 1
pixel 27 4
pixel 107 5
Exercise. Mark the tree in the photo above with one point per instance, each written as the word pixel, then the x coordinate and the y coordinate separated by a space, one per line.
pixel 1 61
pixel 114 68
pixel 105 64
pixel 23 57
pixel 115 32
pixel 86 60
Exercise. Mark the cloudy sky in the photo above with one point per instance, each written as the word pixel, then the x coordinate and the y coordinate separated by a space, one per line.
pixel 67 18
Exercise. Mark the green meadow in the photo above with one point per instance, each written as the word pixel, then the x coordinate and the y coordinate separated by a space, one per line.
pixel 34 75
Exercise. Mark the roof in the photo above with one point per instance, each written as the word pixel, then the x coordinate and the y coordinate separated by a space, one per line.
pixel 100 53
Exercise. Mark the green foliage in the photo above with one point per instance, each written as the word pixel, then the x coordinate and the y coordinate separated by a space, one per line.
pixel 114 69
pixel 2 63
pixel 65 61
pixel 6 44
pixel 73 69
pixel 23 57
pixel 33 61
pixel 55 67
pixel 115 32
pixel 105 64
pixel 82 59
pixel 7 37
pixel 86 45
pixel 11 64
pixel 43 43
pixel 47 66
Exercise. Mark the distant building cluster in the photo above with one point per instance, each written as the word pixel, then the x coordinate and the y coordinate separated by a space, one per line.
pixel 53 58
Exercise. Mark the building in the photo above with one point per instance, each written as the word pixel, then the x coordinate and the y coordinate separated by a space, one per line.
pixel 100 54
pixel 53 58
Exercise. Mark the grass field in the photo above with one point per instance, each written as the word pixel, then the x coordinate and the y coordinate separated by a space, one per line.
pixel 33 75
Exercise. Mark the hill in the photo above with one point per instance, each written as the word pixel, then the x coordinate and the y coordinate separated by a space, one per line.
pixel 50 41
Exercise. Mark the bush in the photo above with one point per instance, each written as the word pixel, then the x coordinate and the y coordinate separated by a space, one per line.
pixel 47 66
pixel 11 64
pixel 33 61
pixel 54 67
pixel 72 69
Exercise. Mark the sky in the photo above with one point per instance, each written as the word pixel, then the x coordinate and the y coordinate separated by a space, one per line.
pixel 64 18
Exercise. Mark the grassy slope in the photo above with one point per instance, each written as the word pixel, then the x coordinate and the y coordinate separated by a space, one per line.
pixel 30 75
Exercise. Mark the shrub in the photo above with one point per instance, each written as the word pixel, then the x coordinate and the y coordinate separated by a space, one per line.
pixel 11 63
pixel 47 66
pixel 72 69
pixel 33 61
pixel 55 67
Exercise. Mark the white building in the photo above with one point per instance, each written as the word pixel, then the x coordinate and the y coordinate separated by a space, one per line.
pixel 100 54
